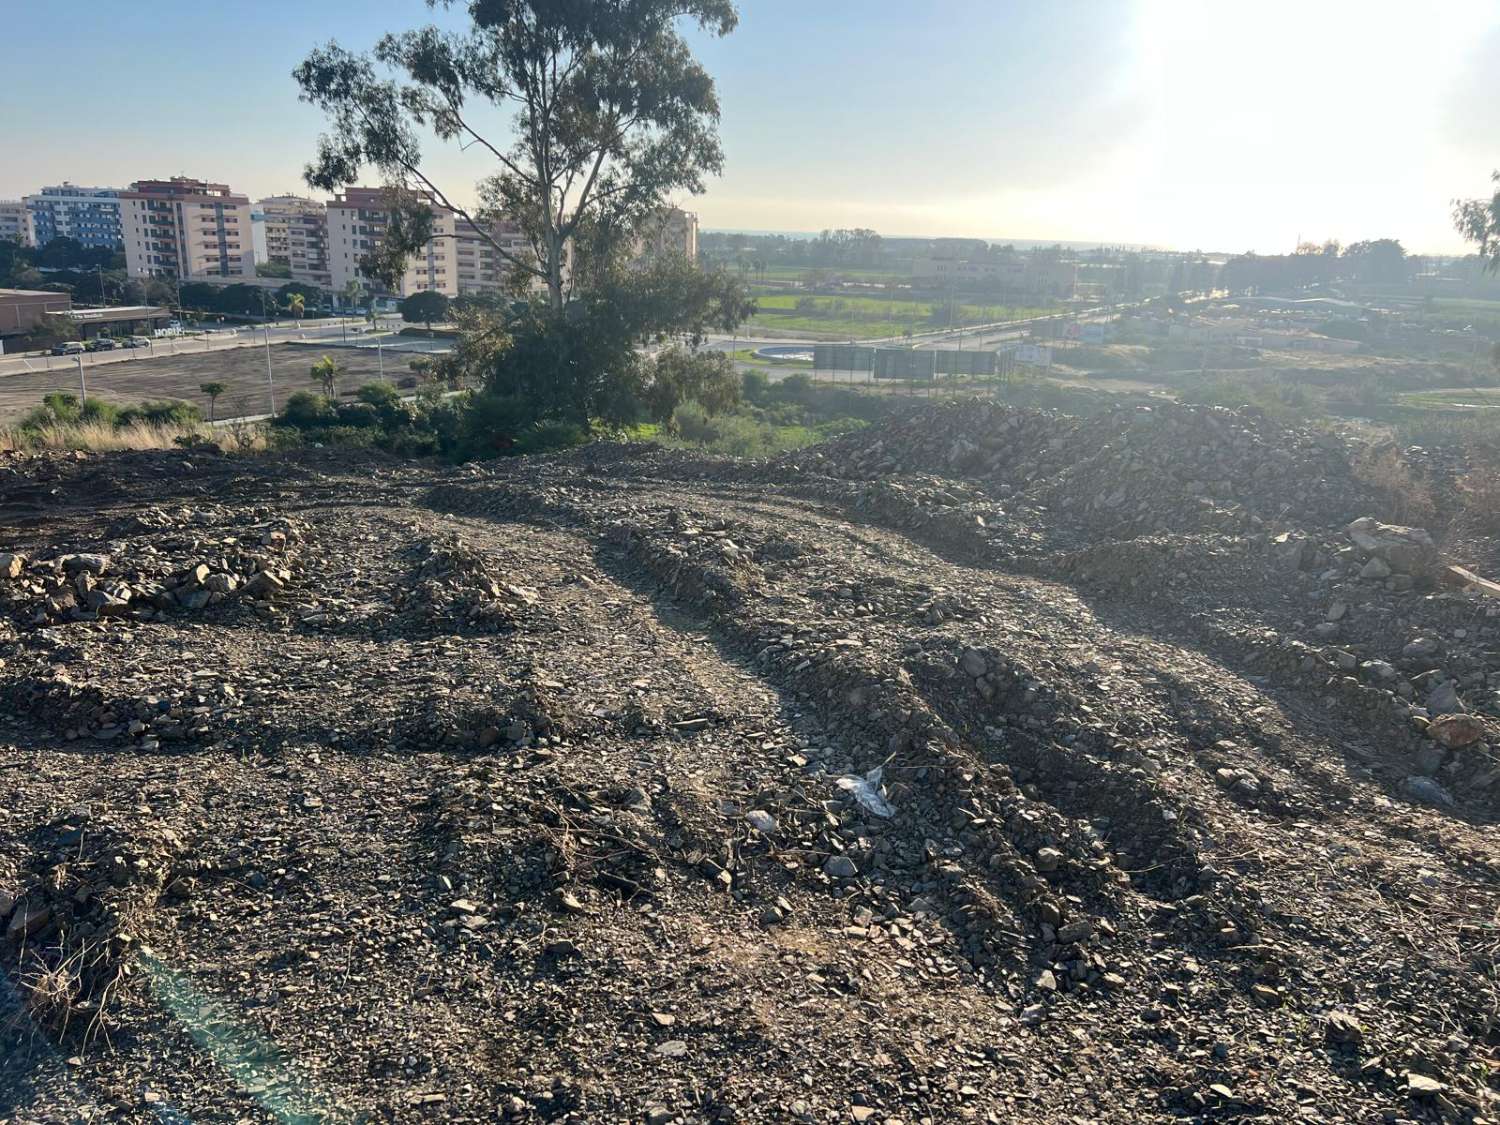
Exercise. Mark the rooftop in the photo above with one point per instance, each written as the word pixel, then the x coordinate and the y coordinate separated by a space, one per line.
pixel 120 312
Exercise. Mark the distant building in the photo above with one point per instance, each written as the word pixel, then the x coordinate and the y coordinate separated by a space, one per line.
pixel 296 236
pixel 23 311
pixel 458 260
pixel 1016 276
pixel 670 232
pixel 90 215
pixel 186 228
pixel 15 222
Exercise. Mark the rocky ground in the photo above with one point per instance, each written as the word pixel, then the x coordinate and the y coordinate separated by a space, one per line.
pixel 988 766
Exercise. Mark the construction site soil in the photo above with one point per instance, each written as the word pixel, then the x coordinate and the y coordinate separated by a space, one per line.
pixel 988 765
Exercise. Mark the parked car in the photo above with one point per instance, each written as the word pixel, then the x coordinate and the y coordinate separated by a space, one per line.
pixel 136 342
pixel 67 347
pixel 100 344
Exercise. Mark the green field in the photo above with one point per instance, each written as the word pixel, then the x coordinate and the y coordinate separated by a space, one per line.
pixel 801 273
pixel 867 317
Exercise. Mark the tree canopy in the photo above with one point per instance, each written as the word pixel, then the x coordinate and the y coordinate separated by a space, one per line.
pixel 424 307
pixel 1478 220
pixel 609 113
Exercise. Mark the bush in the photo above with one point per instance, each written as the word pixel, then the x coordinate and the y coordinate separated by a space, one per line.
pixel 551 436
pixel 692 423
pixel 160 412
pixel 377 394
pixel 678 376
pixel 360 415
pixel 754 385
pixel 97 410
pixel 305 410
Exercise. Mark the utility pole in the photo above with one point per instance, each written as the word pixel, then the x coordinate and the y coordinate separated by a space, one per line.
pixel 83 385
pixel 270 379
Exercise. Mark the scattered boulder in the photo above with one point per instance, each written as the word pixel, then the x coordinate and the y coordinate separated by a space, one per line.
pixel 1406 550
pixel 1456 730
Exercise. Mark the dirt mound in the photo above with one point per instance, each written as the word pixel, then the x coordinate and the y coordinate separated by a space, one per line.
pixel 83 908
pixel 161 563
pixel 913 777
pixel 1121 473
pixel 452 585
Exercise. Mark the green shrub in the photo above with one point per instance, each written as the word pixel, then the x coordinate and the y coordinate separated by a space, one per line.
pixel 359 415
pixel 160 412
pixel 550 436
pixel 97 410
pixel 378 394
pixel 305 410
pixel 754 384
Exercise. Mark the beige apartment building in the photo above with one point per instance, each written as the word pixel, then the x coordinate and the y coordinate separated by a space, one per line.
pixel 296 233
pixel 15 222
pixel 671 232
pixel 457 260
pixel 186 228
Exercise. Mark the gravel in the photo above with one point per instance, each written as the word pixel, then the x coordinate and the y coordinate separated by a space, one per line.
pixel 343 788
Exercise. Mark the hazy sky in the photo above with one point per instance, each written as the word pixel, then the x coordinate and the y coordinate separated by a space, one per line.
pixel 1213 124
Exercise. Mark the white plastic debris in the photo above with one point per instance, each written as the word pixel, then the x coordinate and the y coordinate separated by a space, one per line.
pixel 866 791
pixel 762 821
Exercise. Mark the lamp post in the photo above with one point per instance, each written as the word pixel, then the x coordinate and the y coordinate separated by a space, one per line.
pixel 270 379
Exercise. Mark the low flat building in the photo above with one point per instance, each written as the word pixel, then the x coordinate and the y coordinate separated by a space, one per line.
pixel 122 320
pixel 23 311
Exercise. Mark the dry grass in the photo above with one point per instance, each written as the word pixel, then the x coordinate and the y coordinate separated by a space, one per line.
pixel 101 437
pixel 1409 500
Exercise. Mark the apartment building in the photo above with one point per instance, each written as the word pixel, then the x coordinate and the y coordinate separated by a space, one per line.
pixel 457 260
pixel 356 223
pixel 186 228
pixel 89 215
pixel 295 230
pixel 15 222
pixel 671 232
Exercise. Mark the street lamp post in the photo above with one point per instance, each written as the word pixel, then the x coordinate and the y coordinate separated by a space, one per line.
pixel 270 379
pixel 83 386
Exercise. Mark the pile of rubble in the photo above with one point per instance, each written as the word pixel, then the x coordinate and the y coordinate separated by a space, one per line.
pixel 1370 613
pixel 1124 472
pixel 167 563
pixel 77 921
pixel 452 585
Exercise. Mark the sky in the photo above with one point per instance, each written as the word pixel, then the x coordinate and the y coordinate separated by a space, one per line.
pixel 1189 124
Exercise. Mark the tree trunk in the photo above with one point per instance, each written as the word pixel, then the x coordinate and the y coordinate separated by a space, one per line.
pixel 554 271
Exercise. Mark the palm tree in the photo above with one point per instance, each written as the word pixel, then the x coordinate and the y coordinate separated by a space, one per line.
pixel 326 374
pixel 213 391
pixel 296 304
